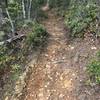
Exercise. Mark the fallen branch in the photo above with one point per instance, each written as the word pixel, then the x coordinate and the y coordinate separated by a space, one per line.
pixel 12 39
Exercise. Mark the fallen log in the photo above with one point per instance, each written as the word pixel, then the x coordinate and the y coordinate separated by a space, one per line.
pixel 17 37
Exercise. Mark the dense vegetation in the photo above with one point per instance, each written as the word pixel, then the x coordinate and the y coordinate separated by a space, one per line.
pixel 93 69
pixel 81 15
pixel 21 31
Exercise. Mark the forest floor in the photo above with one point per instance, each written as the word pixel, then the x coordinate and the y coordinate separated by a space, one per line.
pixel 60 71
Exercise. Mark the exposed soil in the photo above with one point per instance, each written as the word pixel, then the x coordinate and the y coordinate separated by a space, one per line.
pixel 60 72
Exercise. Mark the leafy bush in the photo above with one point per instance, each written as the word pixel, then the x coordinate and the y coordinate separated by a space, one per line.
pixel 80 16
pixel 4 57
pixel 94 71
pixel 60 4
pixel 14 53
pixel 37 35
pixel 10 54
pixel 14 8
pixel 15 72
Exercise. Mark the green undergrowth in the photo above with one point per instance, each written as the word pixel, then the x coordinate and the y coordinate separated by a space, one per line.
pixel 10 55
pixel 15 55
pixel 80 16
pixel 37 36
pixel 93 70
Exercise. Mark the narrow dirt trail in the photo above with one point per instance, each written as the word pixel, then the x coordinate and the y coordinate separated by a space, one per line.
pixel 58 74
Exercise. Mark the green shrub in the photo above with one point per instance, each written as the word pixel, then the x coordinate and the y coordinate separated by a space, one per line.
pixel 60 4
pixel 14 8
pixel 80 16
pixel 94 71
pixel 12 54
pixel 16 71
pixel 5 58
pixel 98 54
pixel 37 35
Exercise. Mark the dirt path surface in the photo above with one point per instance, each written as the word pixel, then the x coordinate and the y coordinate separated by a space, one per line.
pixel 59 73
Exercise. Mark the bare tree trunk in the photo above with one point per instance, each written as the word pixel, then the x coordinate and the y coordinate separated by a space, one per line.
pixel 48 3
pixel 11 22
pixel 29 10
pixel 23 7
pixel 27 6
pixel 1 16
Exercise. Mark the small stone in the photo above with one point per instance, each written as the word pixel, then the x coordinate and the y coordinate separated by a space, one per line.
pixel 61 78
pixel 50 77
pixel 61 95
pixel 54 90
pixel 46 55
pixel 80 80
pixel 53 52
pixel 32 95
pixel 71 47
pixel 73 74
pixel 67 96
pixel 47 98
pixel 57 73
pixel 71 79
pixel 47 66
pixel 45 86
pixel 48 83
pixel 93 48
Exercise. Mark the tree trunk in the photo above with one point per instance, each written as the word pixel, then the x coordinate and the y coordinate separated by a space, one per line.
pixel 1 17
pixel 11 22
pixel 29 10
pixel 48 3
pixel 23 7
